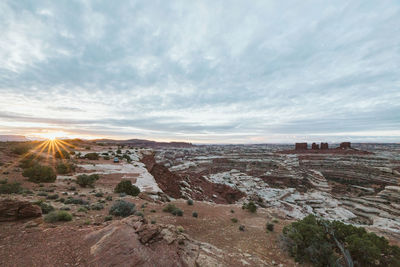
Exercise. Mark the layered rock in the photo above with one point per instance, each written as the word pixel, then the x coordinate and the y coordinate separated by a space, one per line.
pixel 134 242
pixel 14 209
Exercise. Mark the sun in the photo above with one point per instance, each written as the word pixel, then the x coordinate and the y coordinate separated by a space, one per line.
pixel 52 135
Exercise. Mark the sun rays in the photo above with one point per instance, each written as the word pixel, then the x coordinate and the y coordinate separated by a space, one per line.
pixel 51 150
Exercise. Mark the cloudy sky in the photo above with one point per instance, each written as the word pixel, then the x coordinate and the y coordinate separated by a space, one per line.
pixel 202 71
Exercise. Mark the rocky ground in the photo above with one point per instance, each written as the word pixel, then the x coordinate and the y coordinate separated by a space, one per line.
pixel 358 188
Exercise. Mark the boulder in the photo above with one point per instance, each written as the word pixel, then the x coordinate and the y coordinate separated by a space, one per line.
pixel 13 209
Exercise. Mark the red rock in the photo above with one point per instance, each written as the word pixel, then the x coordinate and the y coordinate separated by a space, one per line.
pixel 301 146
pixel 324 146
pixel 13 209
pixel 314 146
pixel 345 145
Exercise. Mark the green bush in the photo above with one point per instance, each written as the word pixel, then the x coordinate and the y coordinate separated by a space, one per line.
pixel 189 202
pixel 171 208
pixel 99 194
pixel 54 196
pixel 76 201
pixel 108 218
pixel 62 154
pixel 241 228
pixel 92 156
pixel 13 188
pixel 46 208
pixel 122 208
pixel 40 174
pixel 29 161
pixel 127 187
pixel 3 181
pixel 97 206
pixel 195 215
pixel 270 227
pixel 250 207
pixel 85 180
pixel 58 216
pixel 83 209
pixel 234 220
pixel 65 168
pixel 318 241
pixel 21 148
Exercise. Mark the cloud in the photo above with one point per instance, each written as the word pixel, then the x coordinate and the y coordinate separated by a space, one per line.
pixel 205 71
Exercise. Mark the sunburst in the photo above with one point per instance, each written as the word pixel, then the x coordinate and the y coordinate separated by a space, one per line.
pixel 50 147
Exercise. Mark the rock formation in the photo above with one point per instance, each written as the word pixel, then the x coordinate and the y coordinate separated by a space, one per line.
pixel 345 145
pixel 134 242
pixel 301 146
pixel 13 209
pixel 324 146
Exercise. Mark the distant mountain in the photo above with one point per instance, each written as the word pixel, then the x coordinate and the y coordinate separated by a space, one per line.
pixel 144 143
pixel 13 138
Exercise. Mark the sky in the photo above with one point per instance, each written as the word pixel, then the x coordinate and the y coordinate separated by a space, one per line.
pixel 201 71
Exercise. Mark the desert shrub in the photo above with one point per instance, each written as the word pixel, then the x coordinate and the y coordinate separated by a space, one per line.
pixel 3 181
pixel 153 211
pixel 92 156
pixel 40 174
pixel 180 229
pixel 109 198
pixel 171 208
pixel 139 213
pixel 57 216
pixel 64 168
pixel 106 158
pixel 54 196
pixel 250 207
pixel 153 222
pixel 12 188
pixel 21 148
pixel 62 154
pixel 29 161
pixel 108 218
pixel 76 201
pixel 99 194
pixel 270 227
pixel 97 206
pixel 122 208
pixel 316 240
pixel 194 214
pixel 85 180
pixel 46 208
pixel 232 211
pixel 119 151
pixel 65 208
pixel 234 220
pixel 189 202
pixel 82 209
pixel 127 187
pixel 241 228
pixel 42 194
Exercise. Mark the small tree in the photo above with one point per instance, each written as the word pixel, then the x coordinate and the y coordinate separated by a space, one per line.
pixel 40 174
pixel 127 187
pixel 250 207
pixel 85 180
pixel 92 156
